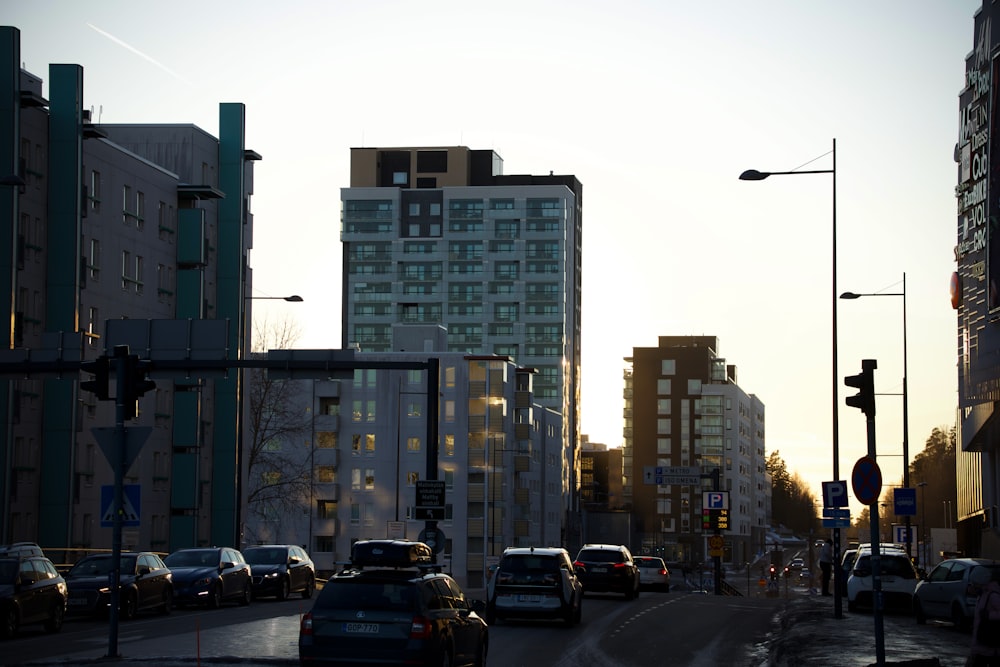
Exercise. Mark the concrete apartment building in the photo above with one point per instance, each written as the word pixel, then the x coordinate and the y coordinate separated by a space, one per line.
pixel 498 452
pixel 683 407
pixel 116 222
pixel 441 236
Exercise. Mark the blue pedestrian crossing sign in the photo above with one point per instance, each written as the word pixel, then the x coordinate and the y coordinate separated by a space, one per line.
pixel 130 505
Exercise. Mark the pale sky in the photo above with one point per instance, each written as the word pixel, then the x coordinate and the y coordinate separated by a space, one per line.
pixel 656 107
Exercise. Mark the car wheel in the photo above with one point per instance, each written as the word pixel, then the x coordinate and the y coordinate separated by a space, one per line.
pixel 283 589
pixel 918 612
pixel 579 611
pixel 569 617
pixel 247 595
pixel 10 622
pixel 168 601
pixel 55 620
pixel 852 606
pixel 310 588
pixel 128 606
pixel 215 597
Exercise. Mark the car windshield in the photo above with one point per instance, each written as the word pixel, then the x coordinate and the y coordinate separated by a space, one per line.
pixel 8 571
pixel 96 566
pixel 528 564
pixel 266 556
pixel 649 562
pixel 197 558
pixel 368 595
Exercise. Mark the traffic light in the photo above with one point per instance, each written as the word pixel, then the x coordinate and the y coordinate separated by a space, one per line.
pixel 864 400
pixel 99 368
pixel 136 384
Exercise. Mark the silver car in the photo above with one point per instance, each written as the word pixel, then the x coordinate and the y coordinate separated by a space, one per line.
pixel 653 573
pixel 948 592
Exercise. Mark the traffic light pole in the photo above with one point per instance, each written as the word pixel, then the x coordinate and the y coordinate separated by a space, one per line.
pixel 122 393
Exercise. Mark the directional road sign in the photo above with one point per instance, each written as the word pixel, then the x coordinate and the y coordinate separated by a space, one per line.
pixel 430 500
pixel 684 475
pixel 904 501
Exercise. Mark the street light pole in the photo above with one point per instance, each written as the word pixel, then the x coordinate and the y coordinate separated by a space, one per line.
pixel 754 175
pixel 906 410
pixel 923 524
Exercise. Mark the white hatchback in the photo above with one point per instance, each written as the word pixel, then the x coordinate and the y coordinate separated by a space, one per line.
pixel 653 573
pixel 899 579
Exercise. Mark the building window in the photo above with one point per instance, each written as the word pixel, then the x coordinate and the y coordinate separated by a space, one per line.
pixel 326 440
pixel 355 513
pixel 324 544
pixel 369 514
pixel 370 411
pixel 329 406
pixel 449 445
pixel 355 479
pixel 326 509
pixel 399 178
pixel 694 386
pixel 449 478
pixel 413 444
pixel 369 479
pixel 412 478
pixel 95 191
pixel 326 474
pixel 413 410
pixel 663 426
pixel 94 263
pixel 126 203
pixel 356 410
pixel 356 443
pixel 668 366
pixel 369 443
pixel 663 387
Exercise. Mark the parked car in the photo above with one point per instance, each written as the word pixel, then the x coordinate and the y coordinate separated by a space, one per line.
pixel 210 576
pixel 847 559
pixel 393 607
pixel 607 568
pixel 653 573
pixel 899 579
pixel 21 549
pixel 145 583
pixel 796 564
pixel 535 582
pixel 949 591
pixel 281 569
pixel 31 591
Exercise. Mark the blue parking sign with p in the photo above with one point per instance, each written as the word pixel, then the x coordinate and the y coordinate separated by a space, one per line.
pixel 835 494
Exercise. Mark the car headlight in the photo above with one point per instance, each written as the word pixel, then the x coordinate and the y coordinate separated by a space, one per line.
pixel 204 581
pixel 272 575
pixel 103 590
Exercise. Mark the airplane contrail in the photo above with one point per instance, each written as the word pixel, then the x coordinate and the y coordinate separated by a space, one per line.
pixel 139 53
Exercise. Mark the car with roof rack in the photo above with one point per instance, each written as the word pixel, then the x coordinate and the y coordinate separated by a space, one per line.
pixel 535 582
pixel 390 605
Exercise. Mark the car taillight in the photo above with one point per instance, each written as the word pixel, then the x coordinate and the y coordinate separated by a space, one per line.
pixel 504 578
pixel 663 572
pixel 578 565
pixel 306 626
pixel 420 628
pixel 619 566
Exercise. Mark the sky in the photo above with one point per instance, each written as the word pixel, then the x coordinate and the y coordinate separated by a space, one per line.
pixel 656 107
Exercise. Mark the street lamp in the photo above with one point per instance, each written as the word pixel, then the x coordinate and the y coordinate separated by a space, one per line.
pixel 754 175
pixel 295 298
pixel 906 412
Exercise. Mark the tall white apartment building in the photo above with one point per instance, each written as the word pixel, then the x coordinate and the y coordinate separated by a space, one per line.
pixel 441 236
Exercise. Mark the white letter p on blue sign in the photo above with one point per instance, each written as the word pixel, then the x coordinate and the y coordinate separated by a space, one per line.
pixel 835 494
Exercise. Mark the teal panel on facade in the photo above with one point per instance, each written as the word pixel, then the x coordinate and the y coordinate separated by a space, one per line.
pixel 183 532
pixel 191 237
pixel 184 481
pixel 187 416
pixel 190 294
pixel 62 298
pixel 226 440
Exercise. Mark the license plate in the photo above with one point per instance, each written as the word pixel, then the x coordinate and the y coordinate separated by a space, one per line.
pixel 77 602
pixel 600 570
pixel 362 628
pixel 529 598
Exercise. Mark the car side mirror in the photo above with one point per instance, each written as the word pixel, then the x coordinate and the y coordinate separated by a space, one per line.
pixel 227 566
pixel 478 606
pixel 143 571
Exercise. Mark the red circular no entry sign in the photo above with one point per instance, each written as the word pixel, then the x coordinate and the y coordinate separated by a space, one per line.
pixel 866 480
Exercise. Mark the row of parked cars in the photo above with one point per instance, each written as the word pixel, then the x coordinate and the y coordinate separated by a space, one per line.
pixel 949 591
pixel 33 591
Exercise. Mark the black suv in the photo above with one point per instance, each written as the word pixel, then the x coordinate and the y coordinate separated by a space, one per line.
pixel 31 591
pixel 209 576
pixel 145 583
pixel 607 568
pixel 281 569
pixel 393 606
pixel 535 582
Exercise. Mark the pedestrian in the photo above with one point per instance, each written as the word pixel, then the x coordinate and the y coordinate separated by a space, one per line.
pixel 985 650
pixel 826 564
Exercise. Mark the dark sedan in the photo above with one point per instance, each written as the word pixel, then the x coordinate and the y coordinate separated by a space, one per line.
pixel 31 591
pixel 281 569
pixel 209 576
pixel 145 583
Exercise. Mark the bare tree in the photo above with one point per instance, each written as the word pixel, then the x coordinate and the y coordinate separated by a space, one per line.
pixel 278 447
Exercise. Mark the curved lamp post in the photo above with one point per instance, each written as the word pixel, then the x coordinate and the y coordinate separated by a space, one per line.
pixel 754 175
pixel 906 413
pixel 295 298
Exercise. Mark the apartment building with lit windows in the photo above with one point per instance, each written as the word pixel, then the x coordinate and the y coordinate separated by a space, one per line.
pixel 684 408
pixel 441 236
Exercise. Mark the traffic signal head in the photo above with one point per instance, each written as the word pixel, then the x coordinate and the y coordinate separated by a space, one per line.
pixel 100 369
pixel 864 400
pixel 136 384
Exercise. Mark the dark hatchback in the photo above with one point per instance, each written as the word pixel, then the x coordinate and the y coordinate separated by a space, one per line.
pixel 607 568
pixel 31 591
pixel 145 583
pixel 281 569
pixel 209 576
pixel 393 607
